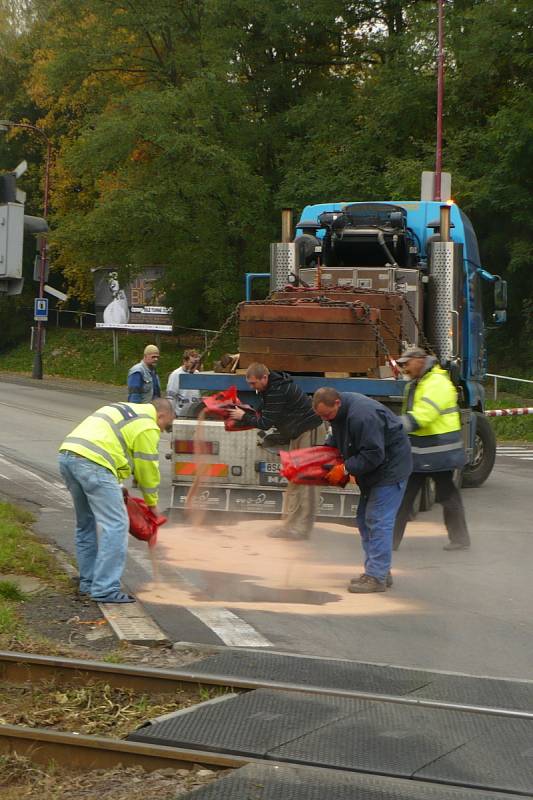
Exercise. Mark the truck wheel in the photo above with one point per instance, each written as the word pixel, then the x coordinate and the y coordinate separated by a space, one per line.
pixel 428 493
pixel 479 469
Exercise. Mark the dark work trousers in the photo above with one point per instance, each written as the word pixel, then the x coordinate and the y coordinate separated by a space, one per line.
pixel 448 495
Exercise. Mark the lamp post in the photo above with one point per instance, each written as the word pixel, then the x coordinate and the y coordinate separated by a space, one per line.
pixel 440 101
pixel 6 124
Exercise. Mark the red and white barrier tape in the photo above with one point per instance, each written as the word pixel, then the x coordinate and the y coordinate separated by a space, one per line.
pixel 509 412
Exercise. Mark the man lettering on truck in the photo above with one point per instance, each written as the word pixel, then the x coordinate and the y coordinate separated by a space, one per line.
pixel 110 445
pixel 376 452
pixel 287 408
pixel 432 420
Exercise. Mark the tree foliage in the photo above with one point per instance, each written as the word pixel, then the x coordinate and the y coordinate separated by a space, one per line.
pixel 181 127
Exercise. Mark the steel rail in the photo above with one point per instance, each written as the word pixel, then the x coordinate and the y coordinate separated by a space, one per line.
pixel 23 666
pixel 98 752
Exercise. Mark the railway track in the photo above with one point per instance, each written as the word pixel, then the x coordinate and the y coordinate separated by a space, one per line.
pixel 19 667
pixel 45 745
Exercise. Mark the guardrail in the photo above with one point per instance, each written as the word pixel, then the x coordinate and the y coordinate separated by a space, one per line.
pixel 506 378
pixel 205 332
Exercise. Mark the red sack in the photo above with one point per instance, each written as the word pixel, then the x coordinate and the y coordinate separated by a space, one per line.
pixel 144 524
pixel 220 405
pixel 310 465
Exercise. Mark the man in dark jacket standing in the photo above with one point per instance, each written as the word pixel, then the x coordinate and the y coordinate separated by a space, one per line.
pixel 287 408
pixel 377 453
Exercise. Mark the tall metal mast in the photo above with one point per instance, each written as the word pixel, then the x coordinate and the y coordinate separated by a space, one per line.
pixel 440 102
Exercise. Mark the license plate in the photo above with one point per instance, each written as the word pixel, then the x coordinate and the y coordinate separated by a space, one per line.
pixel 269 467
pixel 267 479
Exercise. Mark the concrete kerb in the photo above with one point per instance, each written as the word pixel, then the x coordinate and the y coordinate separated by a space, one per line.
pixel 130 622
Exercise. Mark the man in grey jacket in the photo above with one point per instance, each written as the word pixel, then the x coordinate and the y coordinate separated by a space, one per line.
pixel 183 399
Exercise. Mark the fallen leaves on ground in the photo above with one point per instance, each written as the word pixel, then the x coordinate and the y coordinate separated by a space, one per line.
pixel 20 779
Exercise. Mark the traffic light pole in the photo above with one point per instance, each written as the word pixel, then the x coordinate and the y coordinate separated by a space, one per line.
pixel 37 371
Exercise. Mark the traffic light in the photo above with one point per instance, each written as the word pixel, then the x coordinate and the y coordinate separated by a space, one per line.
pixel 13 224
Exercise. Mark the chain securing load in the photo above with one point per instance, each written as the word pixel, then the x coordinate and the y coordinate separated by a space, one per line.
pixel 360 309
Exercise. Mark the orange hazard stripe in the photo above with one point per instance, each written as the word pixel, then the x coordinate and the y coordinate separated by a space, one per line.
pixel 208 470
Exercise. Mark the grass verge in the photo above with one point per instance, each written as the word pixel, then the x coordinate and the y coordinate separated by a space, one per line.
pixel 21 554
pixel 20 550
pixel 88 355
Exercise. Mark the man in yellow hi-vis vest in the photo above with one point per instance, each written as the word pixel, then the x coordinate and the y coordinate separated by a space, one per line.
pixel 110 445
pixel 431 418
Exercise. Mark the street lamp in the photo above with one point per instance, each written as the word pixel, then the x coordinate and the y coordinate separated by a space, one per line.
pixel 6 124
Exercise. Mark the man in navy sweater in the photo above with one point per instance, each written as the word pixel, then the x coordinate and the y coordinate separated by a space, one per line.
pixel 287 408
pixel 376 451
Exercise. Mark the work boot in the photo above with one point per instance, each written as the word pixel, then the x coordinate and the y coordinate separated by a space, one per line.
pixel 456 546
pixel 286 533
pixel 367 584
pixel 364 577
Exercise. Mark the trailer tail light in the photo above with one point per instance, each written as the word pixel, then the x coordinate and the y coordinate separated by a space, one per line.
pixel 190 468
pixel 189 446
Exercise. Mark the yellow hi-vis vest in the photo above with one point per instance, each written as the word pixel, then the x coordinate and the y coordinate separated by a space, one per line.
pixel 430 415
pixel 124 438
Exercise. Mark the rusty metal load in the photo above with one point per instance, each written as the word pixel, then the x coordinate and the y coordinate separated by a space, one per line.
pixel 322 331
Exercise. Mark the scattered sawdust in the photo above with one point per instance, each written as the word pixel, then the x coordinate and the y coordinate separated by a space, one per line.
pixel 20 779
pixel 95 709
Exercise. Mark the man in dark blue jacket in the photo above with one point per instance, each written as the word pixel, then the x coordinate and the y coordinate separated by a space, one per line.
pixel 376 451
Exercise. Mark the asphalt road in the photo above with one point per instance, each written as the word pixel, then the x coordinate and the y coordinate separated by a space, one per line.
pixel 229 583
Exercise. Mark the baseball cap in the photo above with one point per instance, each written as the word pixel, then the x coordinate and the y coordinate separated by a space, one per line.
pixel 151 350
pixel 412 352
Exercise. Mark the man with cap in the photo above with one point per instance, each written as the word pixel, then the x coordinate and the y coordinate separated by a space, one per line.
pixel 431 417
pixel 143 380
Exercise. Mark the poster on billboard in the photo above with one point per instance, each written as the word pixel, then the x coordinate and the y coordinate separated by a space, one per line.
pixel 134 306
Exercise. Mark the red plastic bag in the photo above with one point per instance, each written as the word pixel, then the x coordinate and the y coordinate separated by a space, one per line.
pixel 310 465
pixel 220 405
pixel 144 524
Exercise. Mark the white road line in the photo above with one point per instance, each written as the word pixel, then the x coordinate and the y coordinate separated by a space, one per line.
pixel 230 628
pixel 513 449
pixel 51 488
pixel 233 630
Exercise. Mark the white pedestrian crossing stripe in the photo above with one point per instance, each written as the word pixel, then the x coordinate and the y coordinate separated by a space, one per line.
pixel 520 452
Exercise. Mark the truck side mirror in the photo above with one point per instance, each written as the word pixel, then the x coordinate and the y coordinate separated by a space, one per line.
pixel 500 295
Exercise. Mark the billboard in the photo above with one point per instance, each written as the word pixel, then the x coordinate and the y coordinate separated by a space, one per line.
pixel 134 306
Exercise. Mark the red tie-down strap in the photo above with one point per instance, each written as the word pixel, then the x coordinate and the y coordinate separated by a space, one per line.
pixel 220 404
pixel 310 465
pixel 144 524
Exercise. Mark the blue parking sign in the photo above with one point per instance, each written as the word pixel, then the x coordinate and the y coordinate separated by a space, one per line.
pixel 40 309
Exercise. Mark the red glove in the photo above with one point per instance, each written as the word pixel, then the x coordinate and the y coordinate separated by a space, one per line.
pixel 337 476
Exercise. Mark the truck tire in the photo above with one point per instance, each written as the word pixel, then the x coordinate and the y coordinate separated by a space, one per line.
pixel 427 495
pixel 479 469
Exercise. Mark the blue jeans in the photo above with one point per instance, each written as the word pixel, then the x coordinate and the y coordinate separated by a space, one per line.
pixel 98 501
pixel 375 519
